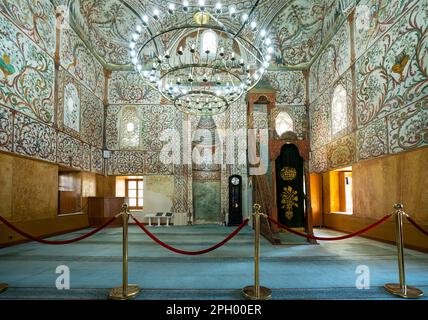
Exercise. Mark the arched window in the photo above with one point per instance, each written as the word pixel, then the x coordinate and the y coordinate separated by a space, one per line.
pixel 130 128
pixel 209 41
pixel 71 105
pixel 283 123
pixel 338 110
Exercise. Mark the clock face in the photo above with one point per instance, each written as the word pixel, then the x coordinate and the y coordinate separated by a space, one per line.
pixel 235 181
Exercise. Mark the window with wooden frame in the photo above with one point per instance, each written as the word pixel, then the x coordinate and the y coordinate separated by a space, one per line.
pixel 134 192
pixel 340 190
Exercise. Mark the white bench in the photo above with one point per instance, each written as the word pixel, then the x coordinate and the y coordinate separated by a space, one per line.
pixel 150 216
pixel 168 216
pixel 160 215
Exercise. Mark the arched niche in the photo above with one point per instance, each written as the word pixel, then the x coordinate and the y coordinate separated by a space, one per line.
pixel 283 124
pixel 339 110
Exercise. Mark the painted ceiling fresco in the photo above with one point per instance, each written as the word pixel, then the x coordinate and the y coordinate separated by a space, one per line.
pixel 298 27
pixel 301 27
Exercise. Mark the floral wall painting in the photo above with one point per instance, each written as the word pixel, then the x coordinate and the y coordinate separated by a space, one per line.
pixel 393 72
pixel 300 28
pixel 374 18
pixel 107 25
pixel 331 63
pixel 73 153
pixel 372 140
pixel 34 117
pixel 91 118
pixel 6 121
pixel 408 127
pixel 381 97
pixel 320 115
pixel 36 18
pixel 71 107
pixel 80 112
pixel 126 162
pixel 140 126
pixel 33 138
pixel 129 88
pixel 76 58
pixel 97 161
pixel 290 86
pixel 26 74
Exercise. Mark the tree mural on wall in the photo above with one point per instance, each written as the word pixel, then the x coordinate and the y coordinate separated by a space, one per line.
pixel 31 111
pixel 388 85
pixel 26 75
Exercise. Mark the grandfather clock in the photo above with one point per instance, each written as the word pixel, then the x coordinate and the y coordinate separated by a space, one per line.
pixel 235 200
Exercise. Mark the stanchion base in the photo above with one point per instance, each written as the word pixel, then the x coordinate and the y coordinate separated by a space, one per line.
pixel 3 287
pixel 117 293
pixel 410 292
pixel 249 293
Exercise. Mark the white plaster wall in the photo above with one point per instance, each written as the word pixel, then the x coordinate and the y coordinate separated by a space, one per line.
pixel 158 193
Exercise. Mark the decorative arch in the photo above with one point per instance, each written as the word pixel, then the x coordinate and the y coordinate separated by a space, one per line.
pixel 209 41
pixel 71 115
pixel 339 110
pixel 283 123
pixel 129 128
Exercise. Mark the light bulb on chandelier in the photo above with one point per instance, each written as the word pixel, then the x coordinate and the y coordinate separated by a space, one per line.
pixel 199 57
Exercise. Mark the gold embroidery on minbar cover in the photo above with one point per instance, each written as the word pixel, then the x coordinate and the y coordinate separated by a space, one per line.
pixel 288 173
pixel 289 200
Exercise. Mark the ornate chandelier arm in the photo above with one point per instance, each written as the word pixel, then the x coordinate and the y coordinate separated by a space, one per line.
pixel 221 24
pixel 199 84
pixel 255 57
pixel 190 26
pixel 228 73
pixel 172 46
pixel 227 70
pixel 124 3
pixel 248 19
pixel 213 62
pixel 193 53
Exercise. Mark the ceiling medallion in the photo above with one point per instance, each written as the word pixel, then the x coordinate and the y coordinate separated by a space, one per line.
pixel 200 57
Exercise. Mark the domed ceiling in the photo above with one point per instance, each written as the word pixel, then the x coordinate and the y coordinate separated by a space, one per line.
pixel 299 27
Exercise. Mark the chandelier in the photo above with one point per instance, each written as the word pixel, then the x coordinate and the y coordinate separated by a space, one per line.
pixel 201 57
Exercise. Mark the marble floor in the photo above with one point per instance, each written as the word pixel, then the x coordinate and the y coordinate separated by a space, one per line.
pixel 292 271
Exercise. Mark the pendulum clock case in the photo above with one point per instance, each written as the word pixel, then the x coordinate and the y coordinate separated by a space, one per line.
pixel 235 200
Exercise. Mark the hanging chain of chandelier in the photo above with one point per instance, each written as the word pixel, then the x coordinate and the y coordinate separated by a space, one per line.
pixel 201 57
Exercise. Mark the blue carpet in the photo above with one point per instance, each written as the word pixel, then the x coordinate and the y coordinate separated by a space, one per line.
pixel 374 293
pixel 325 271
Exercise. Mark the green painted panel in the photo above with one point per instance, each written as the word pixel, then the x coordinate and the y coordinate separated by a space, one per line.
pixel 206 201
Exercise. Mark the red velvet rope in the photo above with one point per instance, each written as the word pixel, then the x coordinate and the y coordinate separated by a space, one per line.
pixel 416 225
pixel 191 253
pixel 332 238
pixel 30 237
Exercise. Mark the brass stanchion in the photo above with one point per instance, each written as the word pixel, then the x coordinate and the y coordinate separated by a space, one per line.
pixel 401 289
pixel 126 291
pixel 3 287
pixel 257 292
